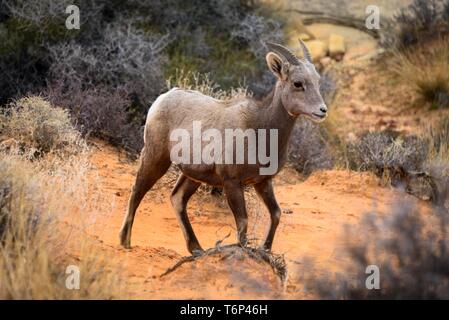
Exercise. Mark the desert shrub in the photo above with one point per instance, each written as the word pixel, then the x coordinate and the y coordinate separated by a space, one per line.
pixel 420 21
pixel 101 112
pixel 254 31
pixel 309 150
pixel 224 36
pixel 410 249
pixel 201 82
pixel 420 165
pixel 131 47
pixel 426 69
pixel 387 155
pixel 328 87
pixel 39 128
pixel 108 84
pixel 19 78
pixel 446 10
pixel 35 245
pixel 125 57
pixel 27 29
pixel 436 137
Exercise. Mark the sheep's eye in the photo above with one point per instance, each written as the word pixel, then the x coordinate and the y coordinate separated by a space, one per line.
pixel 299 85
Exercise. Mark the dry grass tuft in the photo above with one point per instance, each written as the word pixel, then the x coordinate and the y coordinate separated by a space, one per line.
pixel 36 128
pixel 36 243
pixel 437 138
pixel 189 80
pixel 426 69
pixel 38 198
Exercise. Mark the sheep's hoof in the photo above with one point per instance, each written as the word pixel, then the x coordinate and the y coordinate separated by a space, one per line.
pixel 197 252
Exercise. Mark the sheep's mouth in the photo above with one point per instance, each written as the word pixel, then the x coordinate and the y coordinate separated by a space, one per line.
pixel 319 116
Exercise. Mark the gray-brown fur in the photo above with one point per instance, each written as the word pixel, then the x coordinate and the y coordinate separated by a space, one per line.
pixel 179 108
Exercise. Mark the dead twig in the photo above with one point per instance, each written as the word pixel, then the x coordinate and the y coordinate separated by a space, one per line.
pixel 276 261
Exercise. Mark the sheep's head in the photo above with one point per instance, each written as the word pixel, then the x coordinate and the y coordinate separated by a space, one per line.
pixel 298 82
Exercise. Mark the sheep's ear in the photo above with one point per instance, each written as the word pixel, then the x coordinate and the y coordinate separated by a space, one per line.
pixel 277 66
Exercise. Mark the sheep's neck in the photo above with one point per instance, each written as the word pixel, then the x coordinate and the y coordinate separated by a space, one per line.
pixel 275 116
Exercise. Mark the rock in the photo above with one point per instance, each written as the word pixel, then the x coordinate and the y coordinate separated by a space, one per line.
pixel 325 62
pixel 304 36
pixel 337 46
pixel 294 31
pixel 277 5
pixel 351 137
pixel 318 49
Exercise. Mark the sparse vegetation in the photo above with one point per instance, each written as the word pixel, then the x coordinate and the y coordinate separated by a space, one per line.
pixel 399 160
pixel 437 138
pixel 419 164
pixel 37 128
pixel 437 162
pixel 101 112
pixel 34 241
pixel 409 247
pixel 426 69
pixel 189 80
pixel 118 64
pixel 421 21
pixel 309 150
pixel 43 167
pixel 387 154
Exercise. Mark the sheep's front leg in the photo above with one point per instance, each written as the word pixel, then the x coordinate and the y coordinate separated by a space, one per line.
pixel 236 200
pixel 266 193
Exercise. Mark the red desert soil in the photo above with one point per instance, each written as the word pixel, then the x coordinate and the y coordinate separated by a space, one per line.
pixel 315 212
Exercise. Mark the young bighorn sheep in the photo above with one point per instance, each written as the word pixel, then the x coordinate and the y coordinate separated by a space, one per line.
pixel 296 93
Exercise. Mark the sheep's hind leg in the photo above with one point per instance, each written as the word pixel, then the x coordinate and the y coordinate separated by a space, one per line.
pixel 182 192
pixel 151 169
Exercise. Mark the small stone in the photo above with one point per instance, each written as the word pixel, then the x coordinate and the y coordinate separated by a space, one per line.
pixel 325 62
pixel 337 46
pixel 304 37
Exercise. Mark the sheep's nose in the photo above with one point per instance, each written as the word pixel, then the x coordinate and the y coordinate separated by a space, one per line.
pixel 323 109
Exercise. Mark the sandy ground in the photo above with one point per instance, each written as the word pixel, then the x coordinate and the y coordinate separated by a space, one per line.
pixel 311 227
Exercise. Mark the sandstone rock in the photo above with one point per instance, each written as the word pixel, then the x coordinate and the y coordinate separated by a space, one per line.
pixel 295 30
pixel 318 49
pixel 276 5
pixel 305 37
pixel 326 61
pixel 337 46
